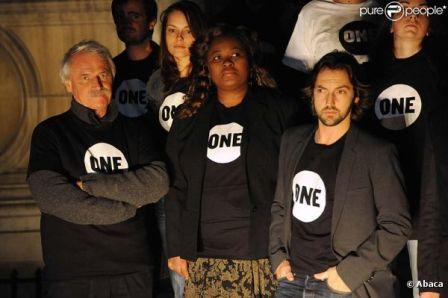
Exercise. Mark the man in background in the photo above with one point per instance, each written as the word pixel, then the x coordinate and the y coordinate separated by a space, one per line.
pixel 134 21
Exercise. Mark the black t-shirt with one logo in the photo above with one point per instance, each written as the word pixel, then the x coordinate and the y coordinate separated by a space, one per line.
pixel 313 196
pixel 165 110
pixel 72 147
pixel 405 92
pixel 225 203
pixel 130 82
pixel 172 99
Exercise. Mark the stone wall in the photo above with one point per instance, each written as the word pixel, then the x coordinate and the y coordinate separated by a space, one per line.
pixel 33 37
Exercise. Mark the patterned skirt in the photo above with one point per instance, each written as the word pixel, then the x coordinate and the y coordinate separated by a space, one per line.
pixel 229 278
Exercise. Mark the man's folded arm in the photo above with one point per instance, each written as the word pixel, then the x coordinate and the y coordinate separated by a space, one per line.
pixel 56 195
pixel 136 187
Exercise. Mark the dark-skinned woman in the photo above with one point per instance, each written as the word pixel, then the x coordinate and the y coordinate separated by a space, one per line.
pixel 223 149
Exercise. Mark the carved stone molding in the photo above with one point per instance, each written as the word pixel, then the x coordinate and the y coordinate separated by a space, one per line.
pixel 33 38
pixel 51 13
pixel 21 64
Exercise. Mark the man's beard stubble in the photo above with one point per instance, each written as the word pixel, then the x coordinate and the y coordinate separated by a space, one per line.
pixel 129 39
pixel 331 122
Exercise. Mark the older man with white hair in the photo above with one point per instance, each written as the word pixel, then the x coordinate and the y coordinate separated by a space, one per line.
pixel 90 171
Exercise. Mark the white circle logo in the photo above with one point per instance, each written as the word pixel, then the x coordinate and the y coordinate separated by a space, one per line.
pixel 309 196
pixel 398 106
pixel 224 142
pixel 131 98
pixel 168 109
pixel 104 158
pixel 393 8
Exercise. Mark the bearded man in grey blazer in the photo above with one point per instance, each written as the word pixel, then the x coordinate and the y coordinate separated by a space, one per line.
pixel 340 213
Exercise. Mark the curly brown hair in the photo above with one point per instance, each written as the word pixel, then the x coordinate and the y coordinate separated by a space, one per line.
pixel 201 86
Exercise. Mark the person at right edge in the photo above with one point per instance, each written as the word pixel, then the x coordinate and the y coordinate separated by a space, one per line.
pixel 433 223
pixel 340 213
pixel 407 83
pixel 433 212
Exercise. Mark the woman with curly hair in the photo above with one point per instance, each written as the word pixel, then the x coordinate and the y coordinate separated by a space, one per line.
pixel 223 148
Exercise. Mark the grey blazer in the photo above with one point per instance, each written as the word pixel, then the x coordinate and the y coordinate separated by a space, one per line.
pixel 370 222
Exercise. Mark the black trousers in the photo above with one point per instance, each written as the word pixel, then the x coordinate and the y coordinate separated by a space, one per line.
pixel 135 285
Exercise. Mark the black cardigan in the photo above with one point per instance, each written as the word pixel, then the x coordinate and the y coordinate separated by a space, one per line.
pixel 268 115
pixel 433 223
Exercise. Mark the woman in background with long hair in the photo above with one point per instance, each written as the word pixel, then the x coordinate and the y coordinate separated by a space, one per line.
pixel 182 22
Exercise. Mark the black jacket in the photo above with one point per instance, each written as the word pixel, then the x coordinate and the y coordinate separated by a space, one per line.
pixel 267 116
pixel 433 214
pixel 433 222
pixel 370 222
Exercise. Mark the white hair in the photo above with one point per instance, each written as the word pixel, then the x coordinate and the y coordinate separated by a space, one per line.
pixel 90 46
